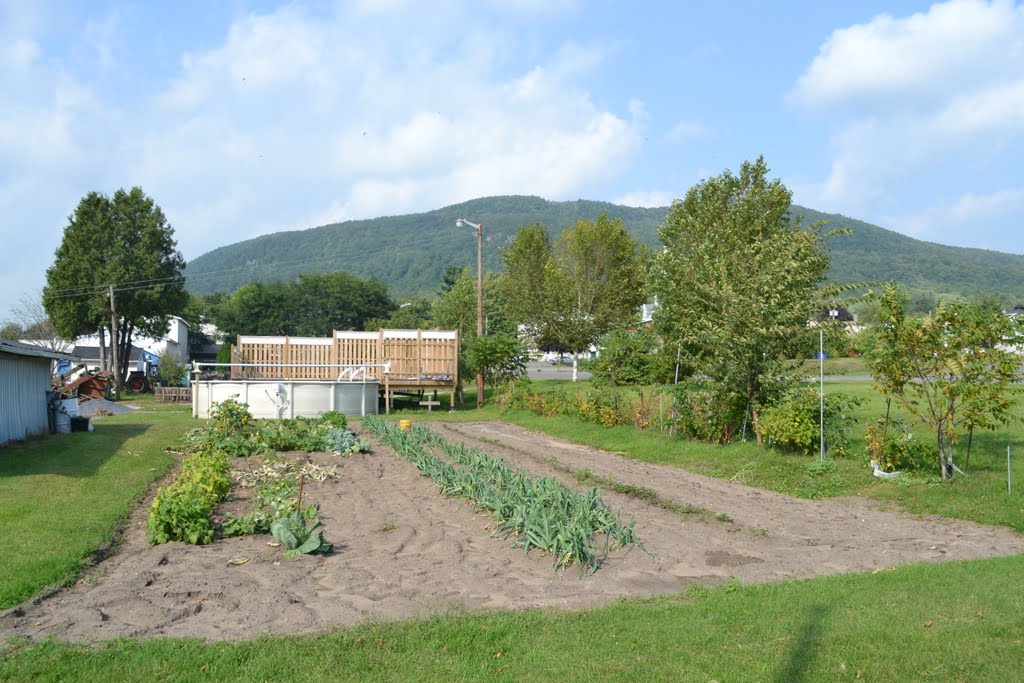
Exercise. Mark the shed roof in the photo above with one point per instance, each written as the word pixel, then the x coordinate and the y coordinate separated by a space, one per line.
pixel 22 349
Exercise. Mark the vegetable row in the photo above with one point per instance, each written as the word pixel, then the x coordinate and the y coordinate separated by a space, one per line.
pixel 573 527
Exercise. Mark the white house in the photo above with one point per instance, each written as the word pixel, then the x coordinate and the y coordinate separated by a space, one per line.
pixel 175 340
pixel 25 371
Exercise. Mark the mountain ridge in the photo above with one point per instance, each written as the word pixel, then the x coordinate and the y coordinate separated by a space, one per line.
pixel 408 252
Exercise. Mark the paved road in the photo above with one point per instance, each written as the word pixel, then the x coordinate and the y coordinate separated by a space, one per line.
pixel 542 370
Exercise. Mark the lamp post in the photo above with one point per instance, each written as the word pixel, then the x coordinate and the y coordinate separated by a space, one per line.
pixel 462 222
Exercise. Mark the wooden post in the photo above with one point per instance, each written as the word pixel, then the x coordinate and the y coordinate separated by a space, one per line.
pixel 419 355
pixel 288 372
pixel 115 356
pixel 334 354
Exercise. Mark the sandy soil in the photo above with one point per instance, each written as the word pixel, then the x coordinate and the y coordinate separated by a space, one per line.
pixel 401 550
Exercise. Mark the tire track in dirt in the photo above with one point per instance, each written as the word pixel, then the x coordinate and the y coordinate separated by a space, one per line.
pixel 797 536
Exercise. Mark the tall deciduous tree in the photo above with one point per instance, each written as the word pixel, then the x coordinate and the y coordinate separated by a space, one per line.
pixel 124 241
pixel 592 281
pixel 953 369
pixel 737 284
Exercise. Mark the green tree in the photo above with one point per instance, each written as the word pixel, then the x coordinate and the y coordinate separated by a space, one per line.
pixel 313 305
pixel 258 308
pixel 319 304
pixel 501 358
pixel 410 315
pixel 591 282
pixel 456 310
pixel 124 241
pixel 11 331
pixel 954 369
pixel 737 282
pixel 627 357
pixel 450 276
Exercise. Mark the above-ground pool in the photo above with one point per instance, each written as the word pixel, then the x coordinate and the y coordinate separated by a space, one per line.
pixel 278 399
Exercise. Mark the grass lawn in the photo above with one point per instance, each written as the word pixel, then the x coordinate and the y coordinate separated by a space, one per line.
pixel 955 621
pixel 63 496
pixel 980 497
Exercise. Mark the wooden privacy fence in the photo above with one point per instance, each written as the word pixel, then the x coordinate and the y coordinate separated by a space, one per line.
pixel 173 394
pixel 417 360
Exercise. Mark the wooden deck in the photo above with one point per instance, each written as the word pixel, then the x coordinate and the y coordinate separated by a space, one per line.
pixel 417 361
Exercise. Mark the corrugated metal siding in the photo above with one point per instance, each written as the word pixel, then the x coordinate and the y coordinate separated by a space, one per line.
pixel 23 384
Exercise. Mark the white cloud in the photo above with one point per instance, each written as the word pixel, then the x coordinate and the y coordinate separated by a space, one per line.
pixel 19 54
pixel 360 128
pixel 964 215
pixel 894 62
pixel 687 130
pixel 646 199
pixel 295 120
pixel 909 97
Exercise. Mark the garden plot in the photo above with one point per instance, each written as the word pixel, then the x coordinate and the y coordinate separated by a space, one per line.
pixel 402 550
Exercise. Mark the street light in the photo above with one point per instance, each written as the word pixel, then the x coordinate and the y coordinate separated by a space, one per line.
pixel 462 222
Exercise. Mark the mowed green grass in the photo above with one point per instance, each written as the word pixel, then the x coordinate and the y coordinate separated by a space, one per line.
pixel 981 497
pixel 61 497
pixel 956 621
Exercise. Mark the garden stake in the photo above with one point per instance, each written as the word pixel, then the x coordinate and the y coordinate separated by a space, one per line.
pixel 1009 473
pixel 302 481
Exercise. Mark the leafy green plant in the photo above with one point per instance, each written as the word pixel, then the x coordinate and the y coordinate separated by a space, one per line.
pixel 627 357
pixel 705 411
pixel 231 417
pixel 793 424
pixel 292 531
pixel 181 511
pixel 342 441
pixel 893 446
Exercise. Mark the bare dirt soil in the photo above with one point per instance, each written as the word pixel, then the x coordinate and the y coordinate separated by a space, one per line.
pixel 402 550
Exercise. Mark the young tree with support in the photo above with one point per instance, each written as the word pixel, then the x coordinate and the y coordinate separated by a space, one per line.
pixel 954 369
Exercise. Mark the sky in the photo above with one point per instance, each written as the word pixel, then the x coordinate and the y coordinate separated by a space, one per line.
pixel 244 117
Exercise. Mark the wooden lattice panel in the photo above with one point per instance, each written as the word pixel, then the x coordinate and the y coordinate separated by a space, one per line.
pixel 423 358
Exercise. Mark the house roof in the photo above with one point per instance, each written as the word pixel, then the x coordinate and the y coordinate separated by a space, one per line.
pixel 93 353
pixel 22 349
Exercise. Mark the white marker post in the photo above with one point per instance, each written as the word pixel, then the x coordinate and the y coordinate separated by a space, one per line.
pixel 821 393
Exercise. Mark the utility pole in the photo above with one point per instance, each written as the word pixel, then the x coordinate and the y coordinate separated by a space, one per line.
pixel 113 345
pixel 479 227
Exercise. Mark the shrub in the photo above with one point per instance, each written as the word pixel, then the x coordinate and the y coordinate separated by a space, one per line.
pixel 793 423
pixel 171 370
pixel 704 412
pixel 627 358
pixel 898 449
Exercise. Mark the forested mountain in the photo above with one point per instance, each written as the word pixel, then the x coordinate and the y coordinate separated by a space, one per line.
pixel 409 252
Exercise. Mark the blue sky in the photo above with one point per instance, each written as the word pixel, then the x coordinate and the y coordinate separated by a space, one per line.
pixel 242 117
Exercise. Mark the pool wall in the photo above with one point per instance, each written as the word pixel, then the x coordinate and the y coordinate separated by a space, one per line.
pixel 280 399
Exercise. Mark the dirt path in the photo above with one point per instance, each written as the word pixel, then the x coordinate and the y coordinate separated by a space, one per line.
pixel 401 550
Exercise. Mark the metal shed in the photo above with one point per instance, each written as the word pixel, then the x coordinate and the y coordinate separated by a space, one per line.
pixel 25 372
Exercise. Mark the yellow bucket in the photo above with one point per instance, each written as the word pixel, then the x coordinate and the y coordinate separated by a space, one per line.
pixel 405 425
